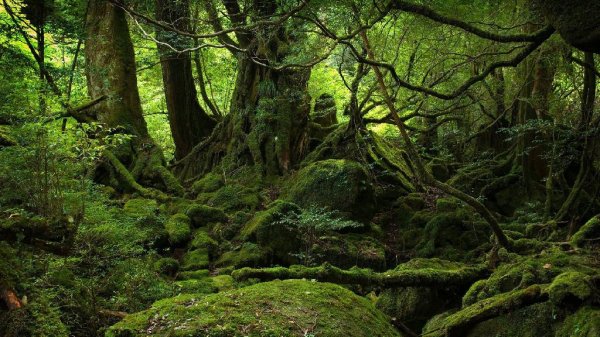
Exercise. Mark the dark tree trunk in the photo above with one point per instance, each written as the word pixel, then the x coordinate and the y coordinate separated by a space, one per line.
pixel 111 72
pixel 189 122
pixel 268 123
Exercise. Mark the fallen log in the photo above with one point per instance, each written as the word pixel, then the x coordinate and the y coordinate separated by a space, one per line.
pixel 422 277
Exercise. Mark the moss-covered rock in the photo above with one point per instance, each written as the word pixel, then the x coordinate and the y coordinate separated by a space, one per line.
pixel 231 198
pixel 247 255
pixel 195 286
pixel 278 308
pixel 202 215
pixel 524 271
pixel 414 306
pixel 583 323
pixel 140 208
pixel 570 289
pixel 179 229
pixel 195 259
pixel 340 185
pixel 211 182
pixel 349 250
pixel 588 235
pixel 166 266
pixel 203 240
pixel 454 235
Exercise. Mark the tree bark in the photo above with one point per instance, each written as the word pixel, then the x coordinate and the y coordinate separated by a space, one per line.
pixel 111 73
pixel 268 122
pixel 110 69
pixel 188 121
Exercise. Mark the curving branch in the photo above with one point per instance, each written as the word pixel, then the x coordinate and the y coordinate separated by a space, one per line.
pixel 429 13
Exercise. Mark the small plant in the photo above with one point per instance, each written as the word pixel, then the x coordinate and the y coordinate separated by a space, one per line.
pixel 311 224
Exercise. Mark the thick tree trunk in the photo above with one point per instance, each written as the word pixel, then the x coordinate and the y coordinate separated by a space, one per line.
pixel 189 122
pixel 111 73
pixel 271 109
pixel 268 123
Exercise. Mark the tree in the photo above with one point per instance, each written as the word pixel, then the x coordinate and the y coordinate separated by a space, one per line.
pixel 189 123
pixel 268 123
pixel 111 72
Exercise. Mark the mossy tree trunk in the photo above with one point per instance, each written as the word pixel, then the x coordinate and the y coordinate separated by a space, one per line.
pixel 268 123
pixel 188 121
pixel 111 72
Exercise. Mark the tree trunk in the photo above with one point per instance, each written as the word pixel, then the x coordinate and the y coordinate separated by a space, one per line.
pixel 268 122
pixel 189 122
pixel 111 72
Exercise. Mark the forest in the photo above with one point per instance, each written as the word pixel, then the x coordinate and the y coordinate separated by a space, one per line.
pixel 312 168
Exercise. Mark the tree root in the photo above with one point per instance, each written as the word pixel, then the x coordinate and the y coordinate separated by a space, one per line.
pixel 426 277
pixel 458 323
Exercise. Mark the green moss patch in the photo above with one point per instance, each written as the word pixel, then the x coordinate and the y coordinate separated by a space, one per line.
pixel 278 308
pixel 179 230
pixel 340 185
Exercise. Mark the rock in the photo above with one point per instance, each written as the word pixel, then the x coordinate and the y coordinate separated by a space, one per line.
pixel 178 228
pixel 278 308
pixel 337 184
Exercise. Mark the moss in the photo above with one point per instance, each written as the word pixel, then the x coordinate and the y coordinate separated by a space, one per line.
pixel 588 234
pixel 223 282
pixel 340 185
pixel 348 250
pixel 583 323
pixel 166 266
pixel 453 235
pixel 140 208
pixel 532 321
pixel 178 228
pixel 195 259
pixel 458 323
pixel 196 286
pixel 570 288
pixel 202 215
pixel 447 204
pixel 263 220
pixel 211 182
pixel 232 198
pixel 523 271
pixel 193 275
pixel 248 255
pixel 279 308
pixel 203 240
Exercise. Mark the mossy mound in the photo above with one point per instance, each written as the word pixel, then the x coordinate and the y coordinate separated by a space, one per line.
pixel 278 308
pixel 337 184
pixel 588 235
pixel 195 259
pixel 179 229
pixel 140 208
pixel 523 271
pixel 231 198
pixel 202 215
pixel 246 255
pixel 211 182
pixel 583 323
pixel 201 239
pixel 349 250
